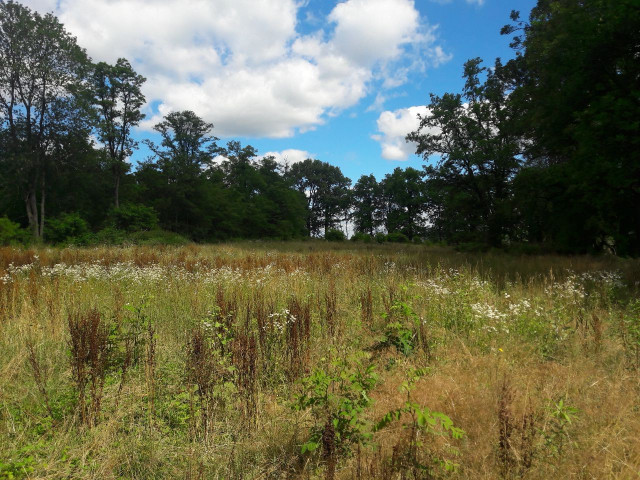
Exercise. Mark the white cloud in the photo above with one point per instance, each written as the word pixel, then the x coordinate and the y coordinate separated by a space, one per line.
pixel 368 31
pixel 289 156
pixel 394 127
pixel 242 64
pixel 476 2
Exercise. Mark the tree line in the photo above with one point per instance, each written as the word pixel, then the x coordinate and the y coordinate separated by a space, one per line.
pixel 541 150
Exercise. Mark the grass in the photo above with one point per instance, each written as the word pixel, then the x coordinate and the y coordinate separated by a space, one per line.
pixel 315 360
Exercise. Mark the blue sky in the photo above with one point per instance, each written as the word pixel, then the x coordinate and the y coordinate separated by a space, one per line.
pixel 338 81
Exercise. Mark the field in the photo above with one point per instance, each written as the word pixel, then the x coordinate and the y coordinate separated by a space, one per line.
pixel 313 360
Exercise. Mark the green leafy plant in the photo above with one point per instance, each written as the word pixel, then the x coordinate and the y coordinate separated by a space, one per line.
pixel 11 233
pixel 337 397
pixel 421 424
pixel 557 432
pixel 68 228
pixel 403 328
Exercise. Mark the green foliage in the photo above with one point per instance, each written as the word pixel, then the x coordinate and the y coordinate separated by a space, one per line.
pixel 326 190
pixel 406 203
pixel 402 328
pixel 133 217
pixel 397 237
pixel 334 235
pixel 68 228
pixel 557 432
pixel 156 237
pixel 11 233
pixel 338 396
pixel 361 237
pixel 368 204
pixel 424 423
pixel 474 247
pixel 109 236
pixel 21 467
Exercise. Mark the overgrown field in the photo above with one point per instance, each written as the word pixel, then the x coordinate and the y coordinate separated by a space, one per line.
pixel 307 360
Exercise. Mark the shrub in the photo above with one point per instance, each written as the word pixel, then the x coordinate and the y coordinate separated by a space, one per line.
pixel 361 237
pixel 397 237
pixel 11 233
pixel 334 235
pixel 337 399
pixel 380 237
pixel 133 217
pixel 109 236
pixel 67 228
pixel 157 237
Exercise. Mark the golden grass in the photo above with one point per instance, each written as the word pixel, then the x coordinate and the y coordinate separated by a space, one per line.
pixel 552 329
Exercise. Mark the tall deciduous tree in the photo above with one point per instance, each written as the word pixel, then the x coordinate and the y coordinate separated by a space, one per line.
pixel 326 190
pixel 185 153
pixel 42 71
pixel 406 202
pixel 368 205
pixel 478 149
pixel 118 98
pixel 580 104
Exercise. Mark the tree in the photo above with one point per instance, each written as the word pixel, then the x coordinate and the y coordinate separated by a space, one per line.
pixel 478 149
pixel 580 112
pixel 118 98
pixel 42 73
pixel 177 182
pixel 404 193
pixel 326 190
pixel 368 205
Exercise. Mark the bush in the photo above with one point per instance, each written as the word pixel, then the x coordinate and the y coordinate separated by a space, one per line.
pixel 361 237
pixel 11 233
pixel 113 236
pixel 67 228
pixel 109 236
pixel 380 237
pixel 133 217
pixel 334 235
pixel 157 237
pixel 397 237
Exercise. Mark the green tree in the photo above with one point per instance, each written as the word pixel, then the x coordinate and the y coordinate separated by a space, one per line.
pixel 177 184
pixel 579 99
pixel 368 205
pixel 117 98
pixel 326 190
pixel 478 149
pixel 404 194
pixel 42 112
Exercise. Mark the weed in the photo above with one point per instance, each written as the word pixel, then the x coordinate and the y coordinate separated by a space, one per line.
pixel 414 452
pixel 89 348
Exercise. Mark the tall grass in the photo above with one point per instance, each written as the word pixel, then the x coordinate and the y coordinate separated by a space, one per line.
pixel 191 362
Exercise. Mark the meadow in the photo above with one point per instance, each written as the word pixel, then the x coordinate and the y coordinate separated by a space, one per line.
pixel 317 360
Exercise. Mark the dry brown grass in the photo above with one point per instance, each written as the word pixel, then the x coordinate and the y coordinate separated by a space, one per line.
pixel 228 331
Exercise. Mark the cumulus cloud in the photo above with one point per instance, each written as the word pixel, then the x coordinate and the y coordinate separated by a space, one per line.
pixel 243 65
pixel 289 156
pixel 393 127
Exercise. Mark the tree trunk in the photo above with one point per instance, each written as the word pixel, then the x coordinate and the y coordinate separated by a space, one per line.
pixel 42 197
pixel 117 191
pixel 32 213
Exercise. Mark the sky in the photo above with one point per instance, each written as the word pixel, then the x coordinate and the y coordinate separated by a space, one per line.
pixel 340 81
